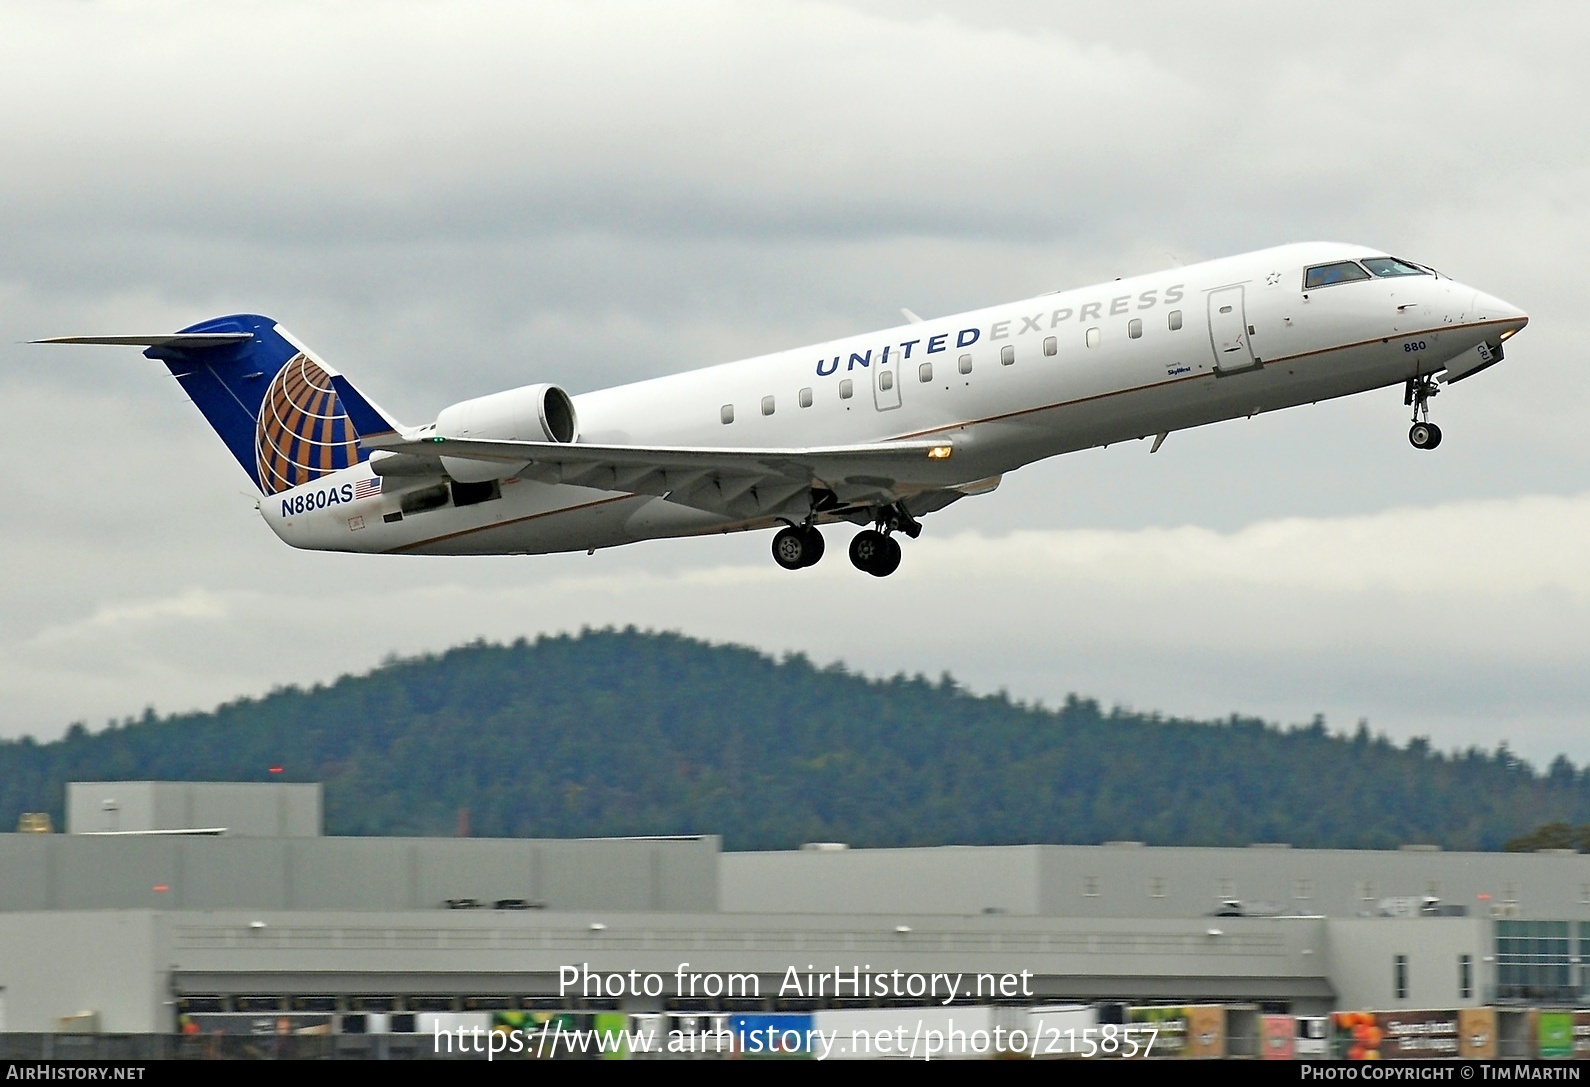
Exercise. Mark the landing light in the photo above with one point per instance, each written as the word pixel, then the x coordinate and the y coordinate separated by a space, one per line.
pixel 1507 334
pixel 940 452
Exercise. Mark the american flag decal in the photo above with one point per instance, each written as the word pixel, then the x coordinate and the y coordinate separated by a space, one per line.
pixel 367 488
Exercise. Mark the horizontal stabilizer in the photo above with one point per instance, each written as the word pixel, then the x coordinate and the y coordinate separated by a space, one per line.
pixel 182 340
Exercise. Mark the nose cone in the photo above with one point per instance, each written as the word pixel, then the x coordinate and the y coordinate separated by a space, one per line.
pixel 1487 307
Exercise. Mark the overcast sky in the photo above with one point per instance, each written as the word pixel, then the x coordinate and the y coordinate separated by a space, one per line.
pixel 450 198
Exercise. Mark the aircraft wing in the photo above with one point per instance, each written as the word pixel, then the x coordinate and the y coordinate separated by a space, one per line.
pixel 733 482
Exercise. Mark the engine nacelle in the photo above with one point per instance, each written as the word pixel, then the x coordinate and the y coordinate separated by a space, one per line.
pixel 533 413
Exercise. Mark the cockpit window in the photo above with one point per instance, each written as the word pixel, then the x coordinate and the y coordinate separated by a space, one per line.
pixel 1391 266
pixel 1323 275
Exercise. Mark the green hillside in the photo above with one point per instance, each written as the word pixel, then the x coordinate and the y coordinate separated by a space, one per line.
pixel 620 732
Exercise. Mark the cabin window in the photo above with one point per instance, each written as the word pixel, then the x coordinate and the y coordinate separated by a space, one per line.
pixel 1386 267
pixel 1174 319
pixel 1134 328
pixel 1324 275
pixel 924 372
pixel 885 380
pixel 966 364
pixel 767 405
pixel 1050 345
pixel 1007 355
pixel 1093 337
pixel 1399 976
pixel 847 389
pixel 806 398
pixel 726 413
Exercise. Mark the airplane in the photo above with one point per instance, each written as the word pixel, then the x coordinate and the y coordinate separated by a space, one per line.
pixel 877 430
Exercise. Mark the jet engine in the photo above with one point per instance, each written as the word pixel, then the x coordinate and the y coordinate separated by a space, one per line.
pixel 533 413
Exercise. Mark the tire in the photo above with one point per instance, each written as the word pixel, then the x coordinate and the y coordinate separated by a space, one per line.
pixel 815 546
pixel 791 549
pixel 1423 436
pixel 866 548
pixel 889 561
pixel 1435 436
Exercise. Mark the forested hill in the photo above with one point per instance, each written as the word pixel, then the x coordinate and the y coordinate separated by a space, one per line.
pixel 613 733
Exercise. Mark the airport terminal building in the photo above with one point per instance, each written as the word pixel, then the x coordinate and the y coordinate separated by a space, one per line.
pixel 172 907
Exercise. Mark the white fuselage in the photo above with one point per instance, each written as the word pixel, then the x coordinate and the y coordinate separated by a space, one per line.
pixel 1009 384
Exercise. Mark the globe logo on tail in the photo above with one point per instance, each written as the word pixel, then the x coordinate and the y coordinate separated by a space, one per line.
pixel 302 433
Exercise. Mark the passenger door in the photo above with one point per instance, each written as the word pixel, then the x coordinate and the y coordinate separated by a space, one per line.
pixel 1228 331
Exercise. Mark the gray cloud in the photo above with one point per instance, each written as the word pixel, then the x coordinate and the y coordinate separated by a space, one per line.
pixel 447 199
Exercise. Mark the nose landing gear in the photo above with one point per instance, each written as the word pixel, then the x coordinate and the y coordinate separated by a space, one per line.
pixel 1423 434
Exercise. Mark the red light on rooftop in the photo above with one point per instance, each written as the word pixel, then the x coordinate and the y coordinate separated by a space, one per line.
pixel 276 769
pixel 161 888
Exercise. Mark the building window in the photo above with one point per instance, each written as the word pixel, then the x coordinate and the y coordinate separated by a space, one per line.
pixel 1584 894
pixel 1304 889
pixel 847 389
pixel 1466 976
pixel 1007 355
pixel 767 405
pixel 1399 976
pixel 1093 337
pixel 965 364
pixel 1050 345
pixel 726 413
pixel 1366 891
pixel 924 373
pixel 1509 892
pixel 1175 319
pixel 1134 328
pixel 806 398
pixel 1156 887
pixel 1227 890
pixel 1090 886
pixel 1533 961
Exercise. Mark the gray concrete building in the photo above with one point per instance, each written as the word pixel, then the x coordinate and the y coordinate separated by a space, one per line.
pixel 132 930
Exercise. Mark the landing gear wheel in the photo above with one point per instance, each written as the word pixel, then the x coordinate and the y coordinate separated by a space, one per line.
pixel 874 553
pixel 890 562
pixel 791 548
pixel 814 544
pixel 1424 435
pixel 797 547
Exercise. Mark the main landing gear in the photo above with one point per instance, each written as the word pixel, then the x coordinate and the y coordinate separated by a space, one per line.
pixel 874 553
pixel 1423 434
pixel 873 550
pixel 798 546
